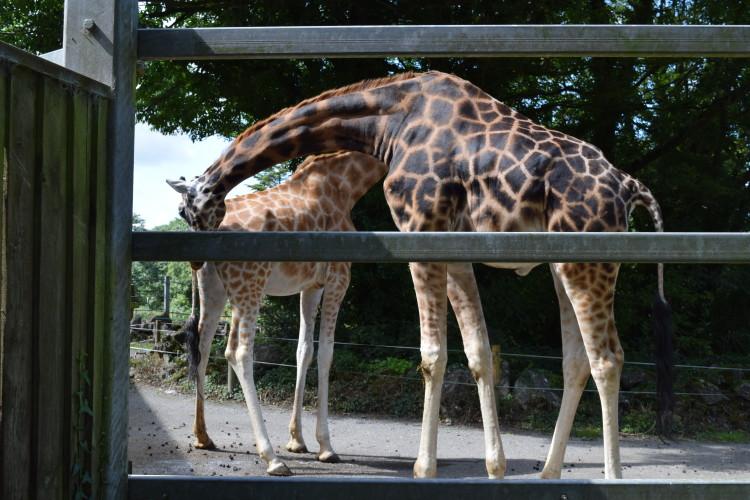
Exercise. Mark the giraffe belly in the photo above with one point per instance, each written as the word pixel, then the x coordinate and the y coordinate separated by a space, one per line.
pixel 521 268
pixel 289 278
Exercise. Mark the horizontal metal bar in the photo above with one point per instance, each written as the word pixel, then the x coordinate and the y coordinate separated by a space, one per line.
pixel 193 488
pixel 445 41
pixel 442 247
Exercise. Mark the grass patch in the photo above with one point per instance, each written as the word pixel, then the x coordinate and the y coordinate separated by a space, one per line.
pixel 587 433
pixel 735 436
pixel 142 345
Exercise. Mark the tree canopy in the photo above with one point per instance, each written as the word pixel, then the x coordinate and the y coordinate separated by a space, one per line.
pixel 679 125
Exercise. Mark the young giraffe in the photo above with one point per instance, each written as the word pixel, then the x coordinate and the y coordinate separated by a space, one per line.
pixel 319 196
pixel 460 160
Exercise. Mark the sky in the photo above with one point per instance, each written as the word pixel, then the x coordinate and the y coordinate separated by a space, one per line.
pixel 159 157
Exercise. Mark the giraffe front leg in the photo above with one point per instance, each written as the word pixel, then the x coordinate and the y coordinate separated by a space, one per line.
pixel 239 353
pixel 464 297
pixel 212 298
pixel 430 286
pixel 309 300
pixel 245 296
pixel 202 440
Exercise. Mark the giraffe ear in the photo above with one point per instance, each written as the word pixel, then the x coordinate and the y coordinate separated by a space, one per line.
pixel 180 185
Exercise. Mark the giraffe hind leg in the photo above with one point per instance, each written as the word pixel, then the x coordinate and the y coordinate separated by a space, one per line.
pixel 335 290
pixel 431 288
pixel 464 298
pixel 576 372
pixel 308 300
pixel 590 288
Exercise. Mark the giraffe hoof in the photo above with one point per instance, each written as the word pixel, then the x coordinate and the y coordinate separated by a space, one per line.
pixel 279 470
pixel 204 445
pixel 329 458
pixel 296 447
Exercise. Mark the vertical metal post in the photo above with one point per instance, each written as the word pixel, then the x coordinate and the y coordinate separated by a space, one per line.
pixel 99 41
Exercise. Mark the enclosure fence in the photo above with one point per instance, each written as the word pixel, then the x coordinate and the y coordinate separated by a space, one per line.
pixel 101 41
pixel 462 41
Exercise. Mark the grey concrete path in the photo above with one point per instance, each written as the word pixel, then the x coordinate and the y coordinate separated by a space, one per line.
pixel 160 438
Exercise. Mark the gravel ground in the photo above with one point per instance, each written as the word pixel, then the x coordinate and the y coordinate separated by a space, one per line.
pixel 160 437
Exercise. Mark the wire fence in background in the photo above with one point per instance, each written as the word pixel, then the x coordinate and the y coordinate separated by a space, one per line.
pixel 496 353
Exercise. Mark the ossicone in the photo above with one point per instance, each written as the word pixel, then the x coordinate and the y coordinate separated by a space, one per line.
pixel 180 185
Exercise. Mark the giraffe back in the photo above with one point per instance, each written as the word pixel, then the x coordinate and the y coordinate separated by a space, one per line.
pixel 319 196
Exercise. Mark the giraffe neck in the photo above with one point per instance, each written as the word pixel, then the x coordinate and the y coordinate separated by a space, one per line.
pixel 357 118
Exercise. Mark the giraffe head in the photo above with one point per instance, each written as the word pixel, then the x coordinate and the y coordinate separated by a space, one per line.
pixel 201 210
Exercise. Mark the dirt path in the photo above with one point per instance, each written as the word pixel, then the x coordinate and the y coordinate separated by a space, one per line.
pixel 160 438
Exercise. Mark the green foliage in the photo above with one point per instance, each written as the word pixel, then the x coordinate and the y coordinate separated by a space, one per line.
pixel 638 421
pixel 279 316
pixel 148 277
pixel 32 25
pixel 736 436
pixel 271 177
pixel 587 433
pixel 82 478
pixel 392 366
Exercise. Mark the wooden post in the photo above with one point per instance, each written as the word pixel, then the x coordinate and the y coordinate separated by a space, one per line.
pixel 157 331
pixel 166 297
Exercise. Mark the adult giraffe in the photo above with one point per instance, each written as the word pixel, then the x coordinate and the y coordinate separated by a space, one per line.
pixel 460 160
pixel 319 196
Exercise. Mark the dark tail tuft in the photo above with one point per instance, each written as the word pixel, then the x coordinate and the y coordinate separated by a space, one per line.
pixel 664 365
pixel 192 338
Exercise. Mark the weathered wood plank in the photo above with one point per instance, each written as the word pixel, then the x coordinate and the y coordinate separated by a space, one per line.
pixel 4 119
pixel 18 443
pixel 81 294
pixel 444 41
pixel 52 338
pixel 101 355
pixel 43 67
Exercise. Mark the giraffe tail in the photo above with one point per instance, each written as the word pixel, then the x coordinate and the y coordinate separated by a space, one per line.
pixel 662 324
pixel 192 336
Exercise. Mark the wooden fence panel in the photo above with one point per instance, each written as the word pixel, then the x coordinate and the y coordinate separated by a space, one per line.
pixel 53 150
pixel 83 233
pixel 53 330
pixel 17 330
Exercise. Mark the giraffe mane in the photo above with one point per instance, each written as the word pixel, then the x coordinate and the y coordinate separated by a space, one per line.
pixel 349 89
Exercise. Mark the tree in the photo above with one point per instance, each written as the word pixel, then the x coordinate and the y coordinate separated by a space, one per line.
pixel 148 277
pixel 33 25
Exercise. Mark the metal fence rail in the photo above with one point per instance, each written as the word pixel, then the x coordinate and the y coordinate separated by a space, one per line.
pixel 444 41
pixel 439 247
pixel 157 487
